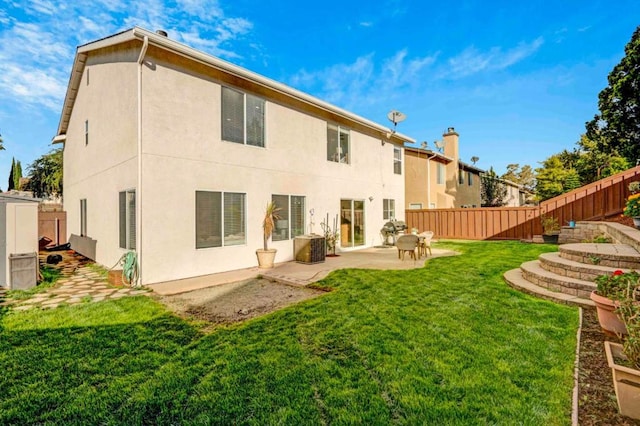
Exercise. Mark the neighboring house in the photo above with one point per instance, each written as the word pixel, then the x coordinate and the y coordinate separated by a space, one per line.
pixel 438 180
pixel 174 153
pixel 18 234
pixel 517 196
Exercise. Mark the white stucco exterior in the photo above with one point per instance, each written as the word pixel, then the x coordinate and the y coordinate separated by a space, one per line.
pixel 183 152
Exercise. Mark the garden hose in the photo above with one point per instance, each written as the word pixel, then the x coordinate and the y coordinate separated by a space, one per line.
pixel 129 264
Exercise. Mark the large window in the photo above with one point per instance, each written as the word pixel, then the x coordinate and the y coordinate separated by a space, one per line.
pixel 127 203
pixel 338 144
pixel 220 219
pixel 397 160
pixel 242 118
pixel 291 213
pixel 83 217
pixel 388 209
pixel 461 177
pixel 440 174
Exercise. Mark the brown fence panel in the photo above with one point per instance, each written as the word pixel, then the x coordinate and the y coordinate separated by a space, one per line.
pixel 53 225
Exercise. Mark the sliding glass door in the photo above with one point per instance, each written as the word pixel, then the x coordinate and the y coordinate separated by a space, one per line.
pixel 352 232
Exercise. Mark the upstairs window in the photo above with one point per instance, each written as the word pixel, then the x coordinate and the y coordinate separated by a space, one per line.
pixel 388 209
pixel 397 160
pixel 338 144
pixel 461 177
pixel 470 179
pixel 440 174
pixel 127 203
pixel 291 213
pixel 242 118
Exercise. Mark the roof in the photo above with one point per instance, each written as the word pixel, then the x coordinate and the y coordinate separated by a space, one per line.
pixel 168 44
pixel 4 197
pixel 470 167
pixel 429 153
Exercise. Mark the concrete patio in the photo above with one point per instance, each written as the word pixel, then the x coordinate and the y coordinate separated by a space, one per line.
pixel 300 274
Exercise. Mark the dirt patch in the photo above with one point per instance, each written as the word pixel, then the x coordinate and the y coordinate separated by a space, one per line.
pixel 236 302
pixel 597 398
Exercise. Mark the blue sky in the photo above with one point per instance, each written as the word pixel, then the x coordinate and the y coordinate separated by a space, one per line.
pixel 517 80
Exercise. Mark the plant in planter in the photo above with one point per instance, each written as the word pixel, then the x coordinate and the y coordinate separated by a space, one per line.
pixel 266 256
pixel 331 235
pixel 550 229
pixel 608 292
pixel 632 208
pixel 624 360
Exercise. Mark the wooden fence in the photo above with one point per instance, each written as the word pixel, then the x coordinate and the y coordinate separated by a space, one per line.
pixel 600 200
pixel 53 225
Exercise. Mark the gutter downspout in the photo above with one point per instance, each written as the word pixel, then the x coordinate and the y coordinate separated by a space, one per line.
pixel 429 180
pixel 143 51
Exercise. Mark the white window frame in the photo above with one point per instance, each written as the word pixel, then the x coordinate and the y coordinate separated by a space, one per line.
pixel 127 219
pixel 415 206
pixel 440 174
pixel 245 111
pixel 397 160
pixel 286 213
pixel 388 209
pixel 83 217
pixel 339 156
pixel 225 241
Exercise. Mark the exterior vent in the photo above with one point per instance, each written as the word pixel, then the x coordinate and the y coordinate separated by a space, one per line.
pixel 163 33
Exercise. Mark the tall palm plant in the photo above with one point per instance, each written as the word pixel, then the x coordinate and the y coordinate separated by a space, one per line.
pixel 269 222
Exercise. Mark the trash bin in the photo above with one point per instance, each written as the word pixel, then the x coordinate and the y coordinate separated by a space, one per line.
pixel 23 270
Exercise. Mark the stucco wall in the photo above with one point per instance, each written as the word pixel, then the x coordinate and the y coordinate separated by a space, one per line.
pixel 96 171
pixel 183 152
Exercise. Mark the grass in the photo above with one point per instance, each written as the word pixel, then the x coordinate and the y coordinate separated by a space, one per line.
pixel 49 278
pixel 446 344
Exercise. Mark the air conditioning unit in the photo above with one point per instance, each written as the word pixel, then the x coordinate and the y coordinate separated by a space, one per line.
pixel 309 249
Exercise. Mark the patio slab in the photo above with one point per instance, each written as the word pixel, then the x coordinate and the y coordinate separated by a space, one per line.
pixel 295 273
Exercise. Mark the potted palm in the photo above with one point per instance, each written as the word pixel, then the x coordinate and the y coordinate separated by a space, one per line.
pixel 550 229
pixel 265 255
pixel 609 288
pixel 624 360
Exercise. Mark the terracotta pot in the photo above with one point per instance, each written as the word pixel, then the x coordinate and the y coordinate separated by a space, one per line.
pixel 610 322
pixel 266 258
pixel 626 381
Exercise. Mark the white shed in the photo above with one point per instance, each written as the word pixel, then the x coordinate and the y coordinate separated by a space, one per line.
pixel 18 239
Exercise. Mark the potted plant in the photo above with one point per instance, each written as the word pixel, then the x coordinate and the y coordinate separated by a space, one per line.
pixel 605 297
pixel 550 229
pixel 624 360
pixel 265 255
pixel 632 208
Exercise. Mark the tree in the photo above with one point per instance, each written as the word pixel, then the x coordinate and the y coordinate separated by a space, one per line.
pixel 11 184
pixel 17 175
pixel 1 144
pixel 521 175
pixel 617 127
pixel 555 178
pixel 595 164
pixel 493 191
pixel 45 174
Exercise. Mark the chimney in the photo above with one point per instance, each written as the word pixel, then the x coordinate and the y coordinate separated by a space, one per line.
pixel 451 144
pixel 163 33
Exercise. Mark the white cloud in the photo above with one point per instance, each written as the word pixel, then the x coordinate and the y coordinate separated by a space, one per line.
pixel 366 24
pixel 472 61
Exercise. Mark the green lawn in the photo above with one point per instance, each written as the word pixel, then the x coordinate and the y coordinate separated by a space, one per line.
pixel 450 343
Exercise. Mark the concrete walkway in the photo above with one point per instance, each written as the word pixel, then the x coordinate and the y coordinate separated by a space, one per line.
pixel 294 273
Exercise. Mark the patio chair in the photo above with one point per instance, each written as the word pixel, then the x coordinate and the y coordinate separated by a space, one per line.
pixel 407 243
pixel 425 242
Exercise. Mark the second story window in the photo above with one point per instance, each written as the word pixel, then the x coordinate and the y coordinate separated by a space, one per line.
pixel 470 178
pixel 242 118
pixel 397 160
pixel 338 144
pixel 461 177
pixel 440 174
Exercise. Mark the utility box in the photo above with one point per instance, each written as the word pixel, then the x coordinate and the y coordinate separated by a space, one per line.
pixel 23 270
pixel 309 249
pixel 18 239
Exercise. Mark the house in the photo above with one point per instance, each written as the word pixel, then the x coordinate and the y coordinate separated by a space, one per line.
pixel 174 153
pixel 517 195
pixel 439 180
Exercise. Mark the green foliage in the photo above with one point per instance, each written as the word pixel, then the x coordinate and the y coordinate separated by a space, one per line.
pixel 552 177
pixel 493 191
pixel 446 344
pixel 523 176
pixel 632 208
pixel 11 183
pixel 550 224
pixel 17 175
pixel 45 174
pixel 617 126
pixel 612 285
pixel 1 143
pixel 594 163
